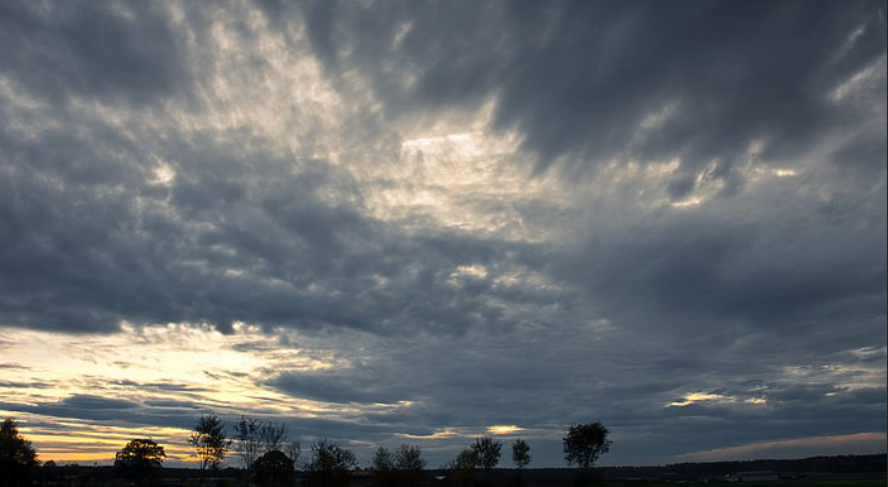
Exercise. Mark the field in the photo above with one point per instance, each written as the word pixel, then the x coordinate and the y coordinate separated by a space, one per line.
pixel 669 476
pixel 831 482
pixel 827 482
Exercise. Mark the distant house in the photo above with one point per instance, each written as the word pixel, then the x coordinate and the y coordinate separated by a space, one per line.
pixel 758 476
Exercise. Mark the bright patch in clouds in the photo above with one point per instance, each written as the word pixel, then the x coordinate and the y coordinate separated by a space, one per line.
pixel 64 383
pixel 698 397
pixel 504 429
pixel 164 175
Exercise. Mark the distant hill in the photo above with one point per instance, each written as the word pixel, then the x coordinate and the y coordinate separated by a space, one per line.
pixel 843 464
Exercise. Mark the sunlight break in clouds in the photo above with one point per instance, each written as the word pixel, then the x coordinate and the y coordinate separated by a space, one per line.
pixel 699 397
pixel 144 373
pixel 504 429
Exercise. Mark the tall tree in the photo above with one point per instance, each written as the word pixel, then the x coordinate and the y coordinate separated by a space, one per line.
pixel 247 440
pixel 17 456
pixel 383 465
pixel 272 436
pixel 294 452
pixel 583 445
pixel 383 460
pixel 409 462
pixel 139 459
pixel 521 457
pixel 254 438
pixel 488 452
pixel 462 468
pixel 330 464
pixel 274 469
pixel 210 442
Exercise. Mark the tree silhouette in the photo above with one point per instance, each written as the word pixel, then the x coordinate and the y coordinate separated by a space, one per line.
pixel 488 452
pixel 409 462
pixel 208 439
pixel 254 438
pixel 383 465
pixel 330 464
pixel 274 469
pixel 246 434
pixel 462 468
pixel 583 445
pixel 17 456
pixel 272 437
pixel 139 459
pixel 521 457
pixel 294 452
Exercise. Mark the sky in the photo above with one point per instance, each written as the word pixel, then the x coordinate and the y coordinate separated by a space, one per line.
pixel 393 221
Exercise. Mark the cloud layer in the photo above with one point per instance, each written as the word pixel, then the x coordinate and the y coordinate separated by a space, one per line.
pixel 416 222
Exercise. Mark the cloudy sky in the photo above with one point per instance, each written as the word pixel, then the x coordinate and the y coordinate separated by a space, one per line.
pixel 419 222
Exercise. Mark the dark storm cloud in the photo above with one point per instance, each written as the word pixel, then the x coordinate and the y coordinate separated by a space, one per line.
pixel 96 403
pixel 122 51
pixel 757 262
pixel 768 294
pixel 343 387
pixel 106 241
pixel 578 79
pixel 543 382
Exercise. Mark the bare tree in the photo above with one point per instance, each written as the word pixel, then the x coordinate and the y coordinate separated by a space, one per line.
pixel 272 436
pixel 247 440
pixel 208 439
pixel 255 438
pixel 294 452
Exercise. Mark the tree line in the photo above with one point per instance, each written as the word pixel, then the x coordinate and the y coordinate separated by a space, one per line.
pixel 270 458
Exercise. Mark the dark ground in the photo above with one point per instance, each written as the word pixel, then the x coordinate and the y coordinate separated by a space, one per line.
pixel 838 471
